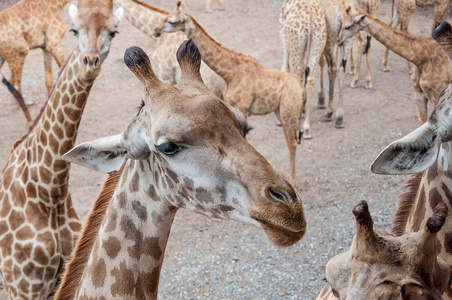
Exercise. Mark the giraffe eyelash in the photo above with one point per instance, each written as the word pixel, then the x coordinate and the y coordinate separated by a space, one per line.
pixel 140 107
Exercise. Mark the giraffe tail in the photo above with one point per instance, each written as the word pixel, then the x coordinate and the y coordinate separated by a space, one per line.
pixel 19 98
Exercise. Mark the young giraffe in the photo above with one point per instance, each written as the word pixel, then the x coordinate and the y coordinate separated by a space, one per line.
pixel 388 267
pixel 371 7
pixel 28 25
pixel 208 3
pixel 428 80
pixel 184 149
pixel 38 224
pixel 303 34
pixel 335 14
pixel 146 18
pixel 402 10
pixel 250 87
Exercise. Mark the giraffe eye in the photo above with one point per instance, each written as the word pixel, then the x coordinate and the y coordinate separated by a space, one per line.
pixel 169 148
pixel 347 27
pixel 75 32
pixel 113 34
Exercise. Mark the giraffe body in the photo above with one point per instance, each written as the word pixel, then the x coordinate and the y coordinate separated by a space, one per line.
pixel 28 25
pixel 428 80
pixel 146 18
pixel 250 87
pixel 303 34
pixel 38 223
pixel 335 12
pixel 183 149
pixel 371 7
pixel 402 10
pixel 426 153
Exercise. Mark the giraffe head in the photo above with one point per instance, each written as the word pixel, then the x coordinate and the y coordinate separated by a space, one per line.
pixel 176 21
pixel 352 24
pixel 193 151
pixel 387 267
pixel 95 25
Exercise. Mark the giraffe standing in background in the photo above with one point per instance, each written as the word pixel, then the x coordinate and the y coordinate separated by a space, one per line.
pixel 428 80
pixel 335 12
pixel 38 223
pixel 250 87
pixel 183 149
pixel 208 3
pixel 389 267
pixel 146 18
pixel 303 34
pixel 28 25
pixel 402 10
pixel 371 7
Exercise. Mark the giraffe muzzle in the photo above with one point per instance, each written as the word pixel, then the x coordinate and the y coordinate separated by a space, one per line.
pixel 91 61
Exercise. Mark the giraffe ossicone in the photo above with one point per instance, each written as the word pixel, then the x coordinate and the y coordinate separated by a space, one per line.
pixel 183 149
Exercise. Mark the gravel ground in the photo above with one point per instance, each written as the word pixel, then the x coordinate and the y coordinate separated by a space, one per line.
pixel 214 259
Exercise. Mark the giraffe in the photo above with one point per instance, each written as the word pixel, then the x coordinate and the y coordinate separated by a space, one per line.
pixel 38 223
pixel 402 10
pixel 371 7
pixel 28 25
pixel 428 80
pixel 303 33
pixel 335 13
pixel 384 266
pixel 250 87
pixel 425 153
pixel 184 149
pixel 208 3
pixel 146 18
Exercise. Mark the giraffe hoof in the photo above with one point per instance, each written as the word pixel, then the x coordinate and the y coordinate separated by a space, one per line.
pixel 328 117
pixel 208 10
pixel 29 103
pixel 307 136
pixel 369 85
pixel 386 69
pixel 353 84
pixel 339 122
pixel 278 123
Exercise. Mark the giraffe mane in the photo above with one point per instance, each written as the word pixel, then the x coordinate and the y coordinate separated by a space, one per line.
pixel 405 204
pixel 151 7
pixel 245 56
pixel 38 117
pixel 80 254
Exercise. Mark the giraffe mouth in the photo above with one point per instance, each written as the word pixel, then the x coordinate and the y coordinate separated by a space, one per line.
pixel 282 232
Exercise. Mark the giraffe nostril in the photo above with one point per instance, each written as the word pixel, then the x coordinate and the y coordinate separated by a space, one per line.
pixel 85 62
pixel 96 62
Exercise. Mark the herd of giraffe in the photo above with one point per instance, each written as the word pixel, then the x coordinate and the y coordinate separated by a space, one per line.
pixel 186 147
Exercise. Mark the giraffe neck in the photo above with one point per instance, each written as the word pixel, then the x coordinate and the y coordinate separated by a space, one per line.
pixel 56 129
pixel 143 16
pixel 222 60
pixel 406 45
pixel 58 4
pixel 127 256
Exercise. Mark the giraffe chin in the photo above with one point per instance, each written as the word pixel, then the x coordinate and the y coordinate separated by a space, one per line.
pixel 280 236
pixel 89 73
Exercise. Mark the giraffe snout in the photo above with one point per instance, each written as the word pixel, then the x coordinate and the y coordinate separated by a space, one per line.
pixel 91 60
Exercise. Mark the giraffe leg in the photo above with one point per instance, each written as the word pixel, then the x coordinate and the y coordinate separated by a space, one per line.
pixel 361 46
pixel 420 98
pixel 289 120
pixel 208 3
pixel 404 22
pixel 332 71
pixel 367 52
pixel 340 111
pixel 321 101
pixel 394 23
pixel 220 2
pixel 48 70
pixel 352 63
pixel 16 64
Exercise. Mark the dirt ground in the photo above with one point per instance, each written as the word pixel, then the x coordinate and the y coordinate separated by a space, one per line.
pixel 212 259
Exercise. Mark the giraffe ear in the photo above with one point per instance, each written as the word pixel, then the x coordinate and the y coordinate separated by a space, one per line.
pixel 106 155
pixel 413 153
